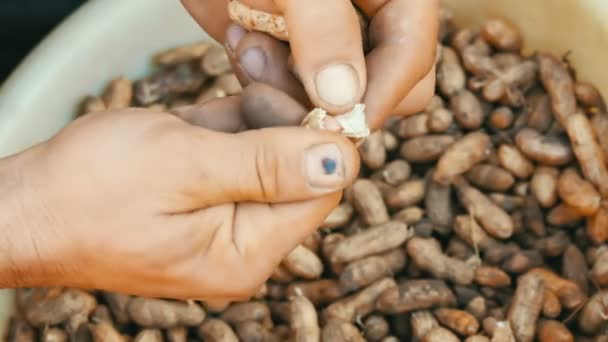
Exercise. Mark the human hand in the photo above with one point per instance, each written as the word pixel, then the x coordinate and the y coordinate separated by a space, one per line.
pixel 142 202
pixel 396 77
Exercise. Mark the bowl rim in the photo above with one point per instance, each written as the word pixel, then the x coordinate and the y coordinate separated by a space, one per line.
pixel 35 65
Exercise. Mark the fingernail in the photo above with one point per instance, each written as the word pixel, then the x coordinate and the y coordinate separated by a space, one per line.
pixel 337 84
pixel 253 61
pixel 234 35
pixel 324 166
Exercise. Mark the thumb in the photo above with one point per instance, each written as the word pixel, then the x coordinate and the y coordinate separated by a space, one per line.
pixel 271 165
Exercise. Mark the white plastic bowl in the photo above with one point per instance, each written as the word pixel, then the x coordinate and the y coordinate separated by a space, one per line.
pixel 108 38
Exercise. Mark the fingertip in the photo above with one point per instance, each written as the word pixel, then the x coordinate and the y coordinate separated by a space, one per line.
pixel 220 114
pixel 333 154
pixel 301 163
pixel 264 59
pixel 327 47
pixel 264 106
pixel 338 87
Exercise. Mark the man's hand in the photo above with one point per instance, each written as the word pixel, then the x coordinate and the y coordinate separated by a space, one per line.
pixel 142 202
pixel 325 64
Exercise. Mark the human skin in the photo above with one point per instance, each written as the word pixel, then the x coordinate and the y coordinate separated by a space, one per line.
pixel 150 204
pixel 396 77
pixel 145 203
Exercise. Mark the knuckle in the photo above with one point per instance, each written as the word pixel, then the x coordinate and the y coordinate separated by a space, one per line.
pixel 266 169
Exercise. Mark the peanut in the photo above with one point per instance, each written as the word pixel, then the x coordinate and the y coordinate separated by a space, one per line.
pixel 365 271
pixel 412 295
pixel 459 321
pixel 359 304
pixel 372 241
pixel 341 332
pixel 554 331
pixel 451 77
pixel 368 202
pixel 559 85
pixel 551 305
pixel 526 306
pixel 160 313
pixel 490 177
pixel 514 161
pixel 303 320
pixel 594 313
pixel 427 255
pixel 440 334
pixel 118 94
pixel 578 193
pixel 462 156
pixel 426 148
pixel 216 330
pixel 405 195
pixel 375 328
pixel 502 35
pixel 303 262
pixel 492 218
pixel 588 151
pixel 547 150
pixel 181 54
pixel 544 185
pixel 440 120
pixel 597 225
pixel 372 150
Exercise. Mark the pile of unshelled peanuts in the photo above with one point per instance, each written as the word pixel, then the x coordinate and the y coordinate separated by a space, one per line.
pixel 482 218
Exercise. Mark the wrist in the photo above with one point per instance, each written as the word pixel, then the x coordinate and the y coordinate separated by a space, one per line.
pixel 26 257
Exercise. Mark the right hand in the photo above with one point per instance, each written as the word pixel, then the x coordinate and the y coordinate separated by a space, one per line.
pixel 395 78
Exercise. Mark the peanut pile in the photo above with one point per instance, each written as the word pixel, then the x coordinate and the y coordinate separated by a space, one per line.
pixel 482 218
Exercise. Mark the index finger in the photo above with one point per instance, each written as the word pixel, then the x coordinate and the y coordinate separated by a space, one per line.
pixel 403 34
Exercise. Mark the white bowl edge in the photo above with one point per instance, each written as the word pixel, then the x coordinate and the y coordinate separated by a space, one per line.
pixel 125 27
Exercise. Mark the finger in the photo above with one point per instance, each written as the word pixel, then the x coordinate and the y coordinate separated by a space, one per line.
pixel 250 240
pixel 403 53
pixel 267 165
pixel 211 15
pixel 272 231
pixel 258 106
pixel 264 106
pixel 419 97
pixel 264 59
pixel 234 34
pixel 221 115
pixel 325 39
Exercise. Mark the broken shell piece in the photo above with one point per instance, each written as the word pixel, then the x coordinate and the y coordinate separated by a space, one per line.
pixel 255 20
pixel 353 123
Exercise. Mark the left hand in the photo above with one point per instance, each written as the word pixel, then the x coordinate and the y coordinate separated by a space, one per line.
pixel 142 202
pixel 396 77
